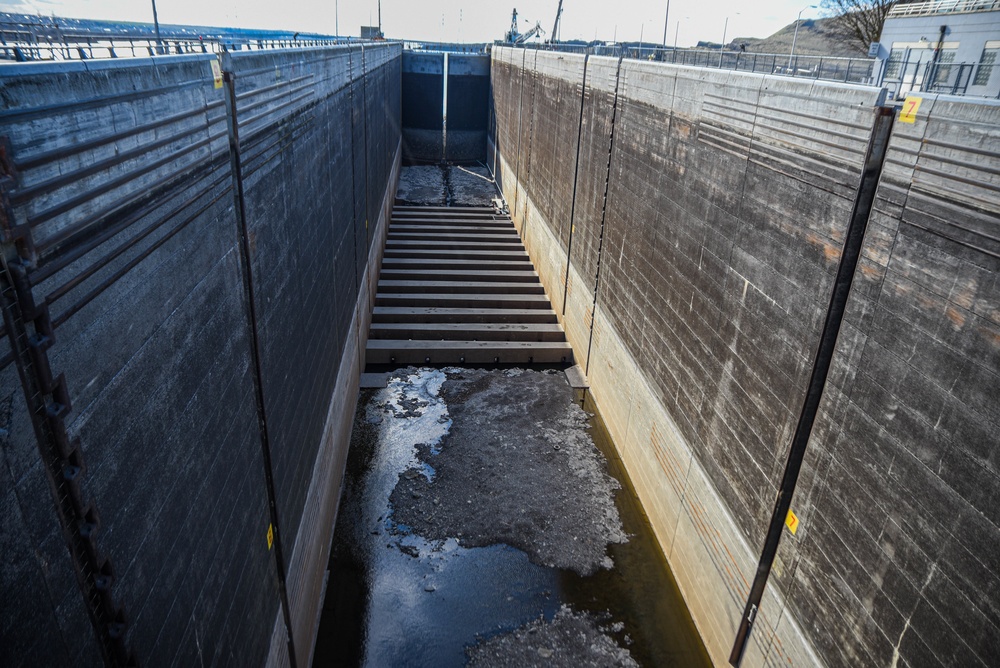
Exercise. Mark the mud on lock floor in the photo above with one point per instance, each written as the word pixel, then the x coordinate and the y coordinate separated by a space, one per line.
pixel 445 185
pixel 480 525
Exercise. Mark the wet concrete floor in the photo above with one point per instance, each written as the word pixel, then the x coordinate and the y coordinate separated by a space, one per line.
pixel 486 521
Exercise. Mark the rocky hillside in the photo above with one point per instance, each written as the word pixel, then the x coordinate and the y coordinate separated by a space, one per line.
pixel 817 37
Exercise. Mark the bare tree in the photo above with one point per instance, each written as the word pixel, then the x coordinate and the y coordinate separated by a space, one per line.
pixel 861 19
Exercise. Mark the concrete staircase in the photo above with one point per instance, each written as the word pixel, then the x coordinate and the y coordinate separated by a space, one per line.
pixel 457 287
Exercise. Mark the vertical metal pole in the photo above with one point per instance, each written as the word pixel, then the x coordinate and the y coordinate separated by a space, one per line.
pixel 666 19
pixel 576 175
pixel 604 212
pixel 722 49
pixel 258 372
pixel 864 197
pixel 444 110
pixel 156 24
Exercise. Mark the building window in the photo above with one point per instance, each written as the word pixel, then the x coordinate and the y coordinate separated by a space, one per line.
pixel 892 65
pixel 941 72
pixel 985 68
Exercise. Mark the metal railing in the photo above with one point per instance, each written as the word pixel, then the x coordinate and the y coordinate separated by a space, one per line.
pixel 826 68
pixel 930 7
pixel 929 77
pixel 31 43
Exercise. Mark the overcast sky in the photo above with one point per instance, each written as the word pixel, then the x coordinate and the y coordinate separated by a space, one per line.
pixel 453 20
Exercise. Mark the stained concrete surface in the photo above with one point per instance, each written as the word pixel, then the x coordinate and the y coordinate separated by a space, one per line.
pixel 517 440
pixel 446 185
pixel 470 185
pixel 479 524
pixel 422 184
pixel 569 639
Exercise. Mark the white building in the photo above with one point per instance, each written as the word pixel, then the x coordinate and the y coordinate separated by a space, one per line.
pixel 942 46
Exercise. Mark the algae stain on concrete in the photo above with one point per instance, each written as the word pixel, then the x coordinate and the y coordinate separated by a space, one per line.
pixel 448 471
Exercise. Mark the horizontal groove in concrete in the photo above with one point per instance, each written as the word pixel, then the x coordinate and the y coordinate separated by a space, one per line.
pixel 463 301
pixel 461 315
pixel 389 351
pixel 519 331
pixel 480 287
pixel 406 244
pixel 432 273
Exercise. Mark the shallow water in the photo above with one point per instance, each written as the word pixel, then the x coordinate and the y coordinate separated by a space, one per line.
pixel 396 599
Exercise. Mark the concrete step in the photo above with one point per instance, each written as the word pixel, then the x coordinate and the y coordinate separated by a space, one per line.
pixel 407 245
pixel 467 331
pixel 390 351
pixel 395 235
pixel 477 230
pixel 421 263
pixel 464 287
pixel 432 273
pixel 432 212
pixel 500 223
pixel 445 210
pixel 451 300
pixel 462 315
pixel 485 255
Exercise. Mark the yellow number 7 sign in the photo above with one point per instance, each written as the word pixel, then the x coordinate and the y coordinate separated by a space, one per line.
pixel 909 112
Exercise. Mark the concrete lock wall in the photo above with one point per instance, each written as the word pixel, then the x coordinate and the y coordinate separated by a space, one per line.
pixel 688 225
pixel 135 228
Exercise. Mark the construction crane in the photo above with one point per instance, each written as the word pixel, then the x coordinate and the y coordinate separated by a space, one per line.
pixel 515 37
pixel 555 26
pixel 513 33
pixel 537 30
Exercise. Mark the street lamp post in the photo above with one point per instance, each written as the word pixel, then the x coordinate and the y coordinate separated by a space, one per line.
pixel 156 24
pixel 798 19
pixel 666 19
pixel 722 49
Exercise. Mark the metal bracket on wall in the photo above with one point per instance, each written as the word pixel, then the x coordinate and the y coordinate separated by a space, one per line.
pixel 31 334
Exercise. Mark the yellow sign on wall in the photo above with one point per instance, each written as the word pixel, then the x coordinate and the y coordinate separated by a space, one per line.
pixel 910 107
pixel 217 74
pixel 270 536
pixel 792 522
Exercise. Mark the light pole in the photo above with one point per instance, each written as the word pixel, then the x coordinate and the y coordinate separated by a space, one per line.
pixel 798 19
pixel 677 30
pixel 156 24
pixel 722 49
pixel 666 19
